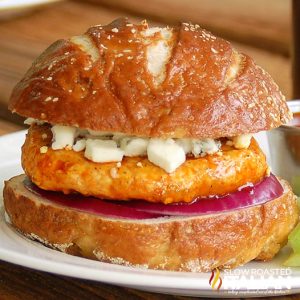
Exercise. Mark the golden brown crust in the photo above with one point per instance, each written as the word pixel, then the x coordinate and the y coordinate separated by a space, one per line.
pixel 69 171
pixel 209 90
pixel 184 244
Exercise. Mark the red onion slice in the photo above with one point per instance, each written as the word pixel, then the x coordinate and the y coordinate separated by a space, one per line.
pixel 264 191
pixel 89 204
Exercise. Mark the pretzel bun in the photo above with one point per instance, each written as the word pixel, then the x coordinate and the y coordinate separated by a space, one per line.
pixel 165 82
pixel 195 244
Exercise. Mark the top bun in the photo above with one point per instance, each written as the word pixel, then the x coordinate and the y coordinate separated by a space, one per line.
pixel 165 82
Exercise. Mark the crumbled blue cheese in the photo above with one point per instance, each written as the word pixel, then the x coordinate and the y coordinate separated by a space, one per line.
pixel 30 121
pixel 205 146
pixel 185 144
pixel 134 146
pixel 101 151
pixel 79 145
pixel 63 136
pixel 242 141
pixel 168 154
pixel 199 147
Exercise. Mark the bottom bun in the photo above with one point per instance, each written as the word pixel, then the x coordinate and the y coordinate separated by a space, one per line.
pixel 194 244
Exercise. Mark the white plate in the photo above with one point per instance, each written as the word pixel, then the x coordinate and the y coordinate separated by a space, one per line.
pixel 253 279
pixel 9 8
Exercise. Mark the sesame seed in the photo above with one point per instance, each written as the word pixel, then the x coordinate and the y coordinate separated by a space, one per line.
pixel 119 55
pixel 49 78
pixel 48 99
pixel 55 99
pixel 213 50
pixel 115 30
pixel 102 46
pixel 129 25
pixel 94 92
pixel 127 50
pixel 118 164
pixel 66 53
pixel 108 37
pixel 129 57
pixel 139 164
pixel 70 91
pixel 133 30
pixel 44 136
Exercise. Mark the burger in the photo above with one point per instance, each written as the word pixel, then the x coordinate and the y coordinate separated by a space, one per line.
pixel 140 151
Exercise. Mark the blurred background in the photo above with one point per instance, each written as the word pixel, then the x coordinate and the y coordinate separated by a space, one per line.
pixel 261 29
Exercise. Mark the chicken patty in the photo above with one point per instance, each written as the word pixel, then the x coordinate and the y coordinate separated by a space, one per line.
pixel 137 178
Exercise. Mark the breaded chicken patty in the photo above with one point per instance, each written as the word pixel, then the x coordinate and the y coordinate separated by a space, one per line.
pixel 137 178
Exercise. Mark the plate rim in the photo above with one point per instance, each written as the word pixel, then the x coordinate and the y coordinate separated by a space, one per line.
pixel 9 6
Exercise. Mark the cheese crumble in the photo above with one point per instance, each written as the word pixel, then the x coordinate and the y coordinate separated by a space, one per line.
pixel 168 154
